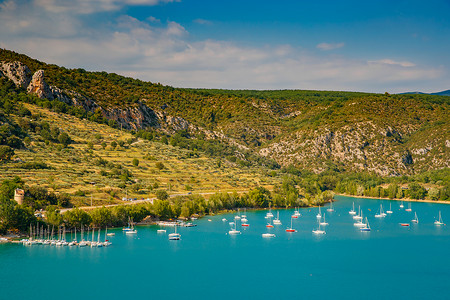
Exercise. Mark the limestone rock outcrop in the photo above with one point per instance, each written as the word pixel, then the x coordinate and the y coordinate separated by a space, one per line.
pixel 39 87
pixel 16 71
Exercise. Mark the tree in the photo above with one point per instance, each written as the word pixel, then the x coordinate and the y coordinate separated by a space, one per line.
pixel 64 139
pixel 76 218
pixel 113 144
pixel 260 197
pixel 416 191
pixel 135 162
pixel 162 194
pixel 159 165
pixel 101 217
pixel 6 153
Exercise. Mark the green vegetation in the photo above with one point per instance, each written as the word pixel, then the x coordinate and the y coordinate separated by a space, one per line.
pixel 286 148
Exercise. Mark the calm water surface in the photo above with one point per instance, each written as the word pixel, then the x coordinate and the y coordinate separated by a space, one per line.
pixel 390 262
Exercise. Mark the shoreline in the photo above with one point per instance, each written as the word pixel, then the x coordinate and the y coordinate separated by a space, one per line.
pixel 395 199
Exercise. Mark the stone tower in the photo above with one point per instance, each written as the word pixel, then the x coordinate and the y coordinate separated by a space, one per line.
pixel 18 195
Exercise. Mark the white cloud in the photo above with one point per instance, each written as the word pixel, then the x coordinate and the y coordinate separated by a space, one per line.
pixel 203 22
pixel 387 61
pixel 327 46
pixel 91 6
pixel 165 53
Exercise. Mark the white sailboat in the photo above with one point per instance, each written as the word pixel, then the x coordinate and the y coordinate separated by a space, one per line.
pixel 269 214
pixel 366 226
pixel 319 215
pixel 381 213
pixel 318 230
pixel 416 219
pixel 128 228
pixel 409 207
pixel 360 223
pixel 390 208
pixel 174 236
pixel 277 220
pixel 93 243
pixel 352 212
pixel 106 243
pixel 439 221
pixel 330 209
pixel 323 222
pixel 83 243
pixel 99 244
pixel 296 213
pixel 234 231
pixel 359 215
pixel 131 229
pixel 401 205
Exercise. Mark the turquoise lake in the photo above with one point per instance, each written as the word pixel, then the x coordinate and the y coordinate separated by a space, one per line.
pixel 389 262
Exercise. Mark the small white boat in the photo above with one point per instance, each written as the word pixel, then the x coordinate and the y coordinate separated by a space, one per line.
pixel 268 235
pixel 111 234
pixel 161 231
pixel 390 209
pixel 269 214
pixel 244 220
pixel 352 212
pixel 359 215
pixel 366 226
pixel 224 220
pixel 296 214
pixel 174 236
pixel 381 213
pixel 416 219
pixel 439 220
pixel 244 216
pixel 401 205
pixel 233 231
pixel 330 209
pixel 319 215
pixel 409 207
pixel 277 220
pixel 360 223
pixel 324 222
pixel 318 230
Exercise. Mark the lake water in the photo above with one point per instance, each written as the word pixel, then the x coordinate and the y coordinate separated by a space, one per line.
pixel 390 262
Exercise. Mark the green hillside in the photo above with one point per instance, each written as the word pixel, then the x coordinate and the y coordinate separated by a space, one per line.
pixel 297 143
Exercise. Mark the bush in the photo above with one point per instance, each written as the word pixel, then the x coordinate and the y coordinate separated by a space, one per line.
pixel 135 162
pixel 162 194
pixel 6 152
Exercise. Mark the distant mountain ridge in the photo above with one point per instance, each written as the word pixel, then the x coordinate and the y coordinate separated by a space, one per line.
pixel 443 93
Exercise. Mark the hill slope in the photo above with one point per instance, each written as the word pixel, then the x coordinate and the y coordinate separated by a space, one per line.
pixel 386 134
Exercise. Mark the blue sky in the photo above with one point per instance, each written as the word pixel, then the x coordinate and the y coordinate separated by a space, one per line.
pixel 372 46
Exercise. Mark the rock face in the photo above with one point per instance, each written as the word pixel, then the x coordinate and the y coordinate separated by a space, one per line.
pixel 39 87
pixel 16 71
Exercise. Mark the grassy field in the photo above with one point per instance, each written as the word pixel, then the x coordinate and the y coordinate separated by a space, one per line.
pixel 86 168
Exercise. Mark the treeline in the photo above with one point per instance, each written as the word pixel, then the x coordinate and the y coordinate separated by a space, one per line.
pixel 432 185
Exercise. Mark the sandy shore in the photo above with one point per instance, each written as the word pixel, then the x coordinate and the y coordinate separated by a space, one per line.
pixel 395 199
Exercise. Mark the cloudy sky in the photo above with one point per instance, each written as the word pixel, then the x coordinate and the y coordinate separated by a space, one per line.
pixel 372 46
